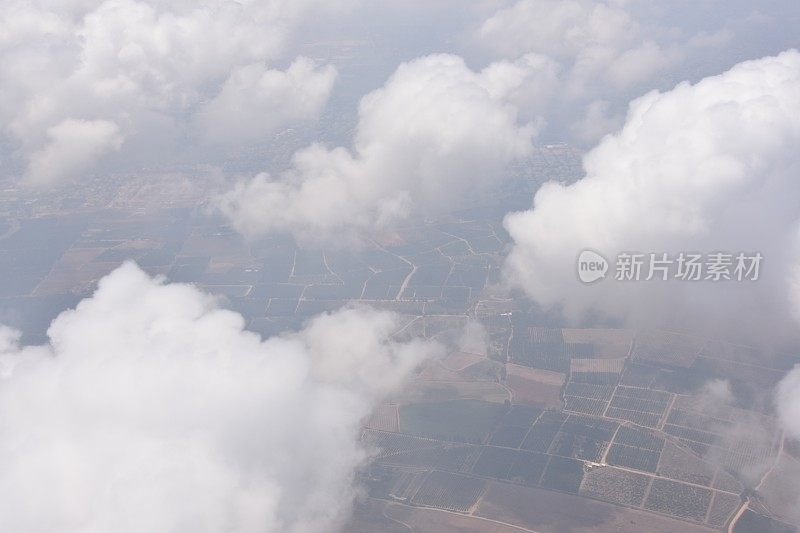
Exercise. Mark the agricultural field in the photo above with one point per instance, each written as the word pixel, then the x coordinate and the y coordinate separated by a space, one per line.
pixel 428 391
pixel 384 418
pixel 536 427
pixel 779 490
pixel 678 499
pixel 453 420
pixel 426 519
pixel 531 386
pixel 610 423
pixel 538 347
pixel 452 492
pixel 615 486
pixel 606 343
pixel 752 522
pixel 667 348
pixel 546 511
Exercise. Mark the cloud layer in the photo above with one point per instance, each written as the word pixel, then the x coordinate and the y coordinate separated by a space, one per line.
pixel 609 51
pixel 151 409
pixel 702 168
pixel 135 79
pixel 595 38
pixel 434 132
pixel 787 403
pixel 706 167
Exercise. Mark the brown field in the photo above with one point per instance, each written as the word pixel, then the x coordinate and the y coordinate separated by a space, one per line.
pixel 436 521
pixel 79 278
pixel 78 256
pixel 533 386
pixel 608 343
pixel 220 264
pixel 546 511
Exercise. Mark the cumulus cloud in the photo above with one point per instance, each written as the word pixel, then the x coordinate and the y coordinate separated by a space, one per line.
pixel 256 100
pixel 704 167
pixel 716 392
pixel 787 408
pixel 151 409
pixel 594 41
pixel 701 168
pixel 741 434
pixel 434 132
pixel 73 146
pixel 787 403
pixel 143 67
pixel 560 29
pixel 609 51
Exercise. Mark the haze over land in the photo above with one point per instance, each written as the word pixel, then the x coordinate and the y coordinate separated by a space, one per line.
pixel 300 265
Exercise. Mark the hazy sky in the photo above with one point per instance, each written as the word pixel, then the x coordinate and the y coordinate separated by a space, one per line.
pixel 689 113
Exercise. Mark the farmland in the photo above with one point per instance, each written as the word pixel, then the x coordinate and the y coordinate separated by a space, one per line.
pixel 546 426
pixel 621 443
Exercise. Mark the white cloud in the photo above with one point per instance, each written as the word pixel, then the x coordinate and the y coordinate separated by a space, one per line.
pixel 597 120
pixel 559 28
pixel 716 392
pixel 638 64
pixel 74 145
pixel 787 403
pixel 434 132
pixel 150 409
pixel 744 430
pixel 704 167
pixel 146 66
pixel 607 50
pixel 594 41
pixel 256 100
